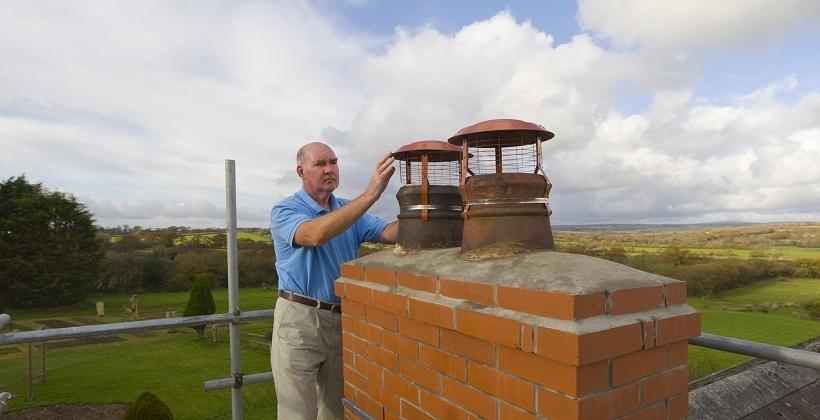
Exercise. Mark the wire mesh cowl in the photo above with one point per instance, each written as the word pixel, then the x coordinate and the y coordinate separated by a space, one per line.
pixel 503 185
pixel 430 201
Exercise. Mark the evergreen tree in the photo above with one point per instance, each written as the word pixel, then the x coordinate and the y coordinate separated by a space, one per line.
pixel 49 251
pixel 200 302
pixel 148 407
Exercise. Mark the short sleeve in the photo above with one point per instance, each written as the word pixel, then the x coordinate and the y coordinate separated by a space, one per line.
pixel 369 228
pixel 283 224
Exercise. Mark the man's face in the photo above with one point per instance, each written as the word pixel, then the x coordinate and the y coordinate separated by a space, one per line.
pixel 319 170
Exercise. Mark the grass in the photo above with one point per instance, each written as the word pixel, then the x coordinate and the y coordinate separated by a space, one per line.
pixel 173 366
pixel 725 314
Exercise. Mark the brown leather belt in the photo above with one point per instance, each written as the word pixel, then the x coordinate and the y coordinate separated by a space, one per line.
pixel 332 307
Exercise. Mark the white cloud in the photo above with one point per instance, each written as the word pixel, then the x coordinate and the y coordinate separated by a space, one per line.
pixel 134 107
pixel 695 23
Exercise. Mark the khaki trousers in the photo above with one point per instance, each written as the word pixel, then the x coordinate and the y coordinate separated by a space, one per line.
pixel 306 360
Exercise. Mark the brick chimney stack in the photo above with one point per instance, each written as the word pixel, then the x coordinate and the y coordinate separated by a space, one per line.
pixel 543 334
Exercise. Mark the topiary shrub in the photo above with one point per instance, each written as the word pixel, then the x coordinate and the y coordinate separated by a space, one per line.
pixel 148 407
pixel 200 301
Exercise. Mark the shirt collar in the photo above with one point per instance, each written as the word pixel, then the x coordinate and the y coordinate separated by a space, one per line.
pixel 317 209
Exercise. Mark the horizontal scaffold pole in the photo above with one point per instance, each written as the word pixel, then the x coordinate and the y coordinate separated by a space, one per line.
pixel 764 351
pixel 118 327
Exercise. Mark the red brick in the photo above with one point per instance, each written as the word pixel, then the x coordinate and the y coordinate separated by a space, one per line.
pixel 349 391
pixel 352 271
pixel 347 357
pixel 439 408
pixel 419 374
pixel 380 275
pixel 353 308
pixel 370 406
pixel 636 365
pixel 469 398
pixel 357 327
pixel 382 318
pixel 359 293
pixel 575 380
pixel 679 328
pixel 613 403
pixel 664 385
pixel 508 412
pixel 648 333
pixel 354 378
pixel 432 313
pixel 471 347
pixel 418 282
pixel 353 343
pixel 383 357
pixel 474 292
pixel 388 399
pixel 551 304
pixel 425 333
pixel 389 415
pixel 554 405
pixel 390 302
pixel 339 288
pixel 676 293
pixel 373 334
pixel 627 301
pixel 654 412
pixel 411 412
pixel 367 368
pixel 678 354
pixel 588 348
pixel 489 327
pixel 443 362
pixel 401 387
pixel 404 346
pixel 679 406
pixel 507 388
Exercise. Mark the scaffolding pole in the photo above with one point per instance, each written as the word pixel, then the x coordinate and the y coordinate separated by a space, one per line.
pixel 233 288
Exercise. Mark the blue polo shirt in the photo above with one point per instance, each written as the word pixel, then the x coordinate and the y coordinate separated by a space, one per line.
pixel 311 271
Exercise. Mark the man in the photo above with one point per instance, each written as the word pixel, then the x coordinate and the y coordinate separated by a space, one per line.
pixel 313 234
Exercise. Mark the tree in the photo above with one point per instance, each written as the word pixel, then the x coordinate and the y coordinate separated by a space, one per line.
pixel 200 301
pixel 148 407
pixel 49 251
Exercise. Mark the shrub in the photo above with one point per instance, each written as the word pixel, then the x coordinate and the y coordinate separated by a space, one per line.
pixel 200 302
pixel 813 307
pixel 148 407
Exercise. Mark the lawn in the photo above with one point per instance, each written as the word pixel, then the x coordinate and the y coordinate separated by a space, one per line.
pixel 173 366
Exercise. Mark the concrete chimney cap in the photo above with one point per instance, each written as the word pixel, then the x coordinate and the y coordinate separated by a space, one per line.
pixel 508 132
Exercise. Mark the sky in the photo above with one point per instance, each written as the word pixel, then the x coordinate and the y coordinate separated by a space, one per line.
pixel 664 111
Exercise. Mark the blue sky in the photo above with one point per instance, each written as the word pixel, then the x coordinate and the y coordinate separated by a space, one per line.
pixel 664 111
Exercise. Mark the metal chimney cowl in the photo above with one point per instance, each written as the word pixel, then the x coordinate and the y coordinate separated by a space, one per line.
pixel 503 185
pixel 429 202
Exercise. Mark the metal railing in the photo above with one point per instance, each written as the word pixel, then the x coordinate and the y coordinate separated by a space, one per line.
pixel 761 350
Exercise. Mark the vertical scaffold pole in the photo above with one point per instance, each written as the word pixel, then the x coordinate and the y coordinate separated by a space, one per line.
pixel 233 288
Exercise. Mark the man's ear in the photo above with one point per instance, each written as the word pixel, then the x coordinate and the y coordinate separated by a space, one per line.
pixel 300 171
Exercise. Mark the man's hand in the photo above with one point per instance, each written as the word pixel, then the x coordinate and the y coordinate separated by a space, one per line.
pixel 378 183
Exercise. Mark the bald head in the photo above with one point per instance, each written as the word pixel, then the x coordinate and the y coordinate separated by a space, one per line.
pixel 308 149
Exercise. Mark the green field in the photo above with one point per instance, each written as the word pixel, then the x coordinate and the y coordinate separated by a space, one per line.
pixel 767 311
pixel 174 366
pixel 784 252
